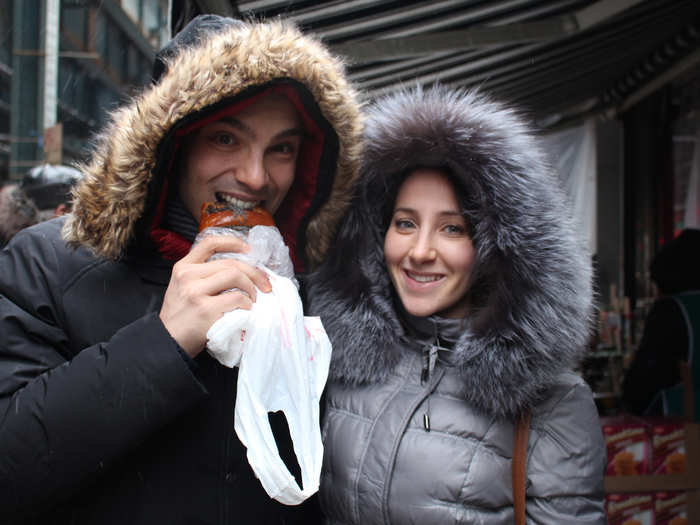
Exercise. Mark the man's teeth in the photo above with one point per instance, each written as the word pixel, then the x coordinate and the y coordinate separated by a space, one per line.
pixel 424 278
pixel 238 203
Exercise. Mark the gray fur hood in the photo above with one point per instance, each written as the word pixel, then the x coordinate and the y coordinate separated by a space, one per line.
pixel 531 300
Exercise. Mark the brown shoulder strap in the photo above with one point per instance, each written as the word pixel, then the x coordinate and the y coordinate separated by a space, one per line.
pixel 522 432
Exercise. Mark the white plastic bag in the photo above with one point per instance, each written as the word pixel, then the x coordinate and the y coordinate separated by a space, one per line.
pixel 284 359
pixel 267 248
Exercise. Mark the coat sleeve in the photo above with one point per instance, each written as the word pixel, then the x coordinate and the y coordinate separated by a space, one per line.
pixel 566 463
pixel 66 416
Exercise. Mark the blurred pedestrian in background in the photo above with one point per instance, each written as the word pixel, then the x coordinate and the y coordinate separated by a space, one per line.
pixel 49 186
pixel 17 212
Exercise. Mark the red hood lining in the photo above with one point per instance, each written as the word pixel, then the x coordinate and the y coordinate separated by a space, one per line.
pixel 295 205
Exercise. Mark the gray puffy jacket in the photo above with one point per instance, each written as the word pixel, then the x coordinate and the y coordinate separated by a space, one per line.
pixel 530 311
pixel 383 466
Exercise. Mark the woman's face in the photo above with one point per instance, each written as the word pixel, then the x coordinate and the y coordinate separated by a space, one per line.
pixel 427 249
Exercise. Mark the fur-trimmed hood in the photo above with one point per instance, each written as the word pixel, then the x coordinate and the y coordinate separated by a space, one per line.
pixel 531 298
pixel 214 62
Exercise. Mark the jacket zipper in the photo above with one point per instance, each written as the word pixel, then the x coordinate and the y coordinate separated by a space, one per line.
pixel 430 353
pixel 434 377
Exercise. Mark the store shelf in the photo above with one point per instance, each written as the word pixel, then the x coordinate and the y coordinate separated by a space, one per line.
pixel 688 482
pixel 652 483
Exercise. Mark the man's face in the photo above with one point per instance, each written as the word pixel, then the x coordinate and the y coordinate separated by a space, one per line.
pixel 248 159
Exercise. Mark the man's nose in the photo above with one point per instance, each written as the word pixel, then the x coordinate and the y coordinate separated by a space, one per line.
pixel 252 173
pixel 423 249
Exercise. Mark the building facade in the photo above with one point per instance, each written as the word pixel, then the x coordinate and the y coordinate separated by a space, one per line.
pixel 63 65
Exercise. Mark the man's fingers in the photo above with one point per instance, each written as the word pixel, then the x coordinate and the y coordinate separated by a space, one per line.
pixel 215 244
pixel 194 300
pixel 227 302
pixel 229 273
pixel 259 278
pixel 223 281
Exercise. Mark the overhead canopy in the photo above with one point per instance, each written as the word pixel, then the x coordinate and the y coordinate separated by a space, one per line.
pixel 558 59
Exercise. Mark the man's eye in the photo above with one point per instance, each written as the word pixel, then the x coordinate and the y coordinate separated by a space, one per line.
pixel 224 139
pixel 286 148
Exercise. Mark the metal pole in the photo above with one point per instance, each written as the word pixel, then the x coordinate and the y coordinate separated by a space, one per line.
pixel 53 13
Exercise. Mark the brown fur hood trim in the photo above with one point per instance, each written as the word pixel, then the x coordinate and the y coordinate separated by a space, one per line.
pixel 219 64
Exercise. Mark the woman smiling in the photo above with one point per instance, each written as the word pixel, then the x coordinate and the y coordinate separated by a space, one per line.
pixel 458 299
pixel 429 253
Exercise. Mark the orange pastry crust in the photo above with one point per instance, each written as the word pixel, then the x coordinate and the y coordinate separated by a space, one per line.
pixel 224 215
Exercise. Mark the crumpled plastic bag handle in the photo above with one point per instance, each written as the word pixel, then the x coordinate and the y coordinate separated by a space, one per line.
pixel 284 359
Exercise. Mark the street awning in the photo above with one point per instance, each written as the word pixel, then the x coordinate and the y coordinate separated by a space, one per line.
pixel 558 60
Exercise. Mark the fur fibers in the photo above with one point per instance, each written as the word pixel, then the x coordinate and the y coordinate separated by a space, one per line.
pixel 112 196
pixel 531 303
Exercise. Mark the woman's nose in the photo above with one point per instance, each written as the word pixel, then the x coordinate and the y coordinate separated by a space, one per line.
pixel 252 173
pixel 423 249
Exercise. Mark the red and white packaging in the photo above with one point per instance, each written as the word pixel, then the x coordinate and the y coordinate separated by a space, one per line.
pixel 668 447
pixel 630 509
pixel 627 444
pixel 670 508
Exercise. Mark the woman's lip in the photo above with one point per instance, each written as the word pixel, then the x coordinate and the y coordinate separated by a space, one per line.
pixel 413 283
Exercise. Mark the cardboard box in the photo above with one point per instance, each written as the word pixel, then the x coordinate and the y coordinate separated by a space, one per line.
pixel 628 446
pixel 668 447
pixel 687 481
pixel 630 509
pixel 670 508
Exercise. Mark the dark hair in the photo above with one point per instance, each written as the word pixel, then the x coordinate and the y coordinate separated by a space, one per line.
pixel 393 185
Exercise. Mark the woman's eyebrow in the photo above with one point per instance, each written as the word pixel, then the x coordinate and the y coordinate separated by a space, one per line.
pixel 441 212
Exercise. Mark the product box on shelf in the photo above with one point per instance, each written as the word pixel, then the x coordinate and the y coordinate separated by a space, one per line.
pixel 630 509
pixel 637 446
pixel 667 447
pixel 670 508
pixel 628 445
pixel 672 480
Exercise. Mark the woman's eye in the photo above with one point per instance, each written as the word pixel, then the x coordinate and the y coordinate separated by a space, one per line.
pixel 402 224
pixel 454 229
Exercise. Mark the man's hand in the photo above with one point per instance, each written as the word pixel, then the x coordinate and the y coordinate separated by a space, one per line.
pixel 193 300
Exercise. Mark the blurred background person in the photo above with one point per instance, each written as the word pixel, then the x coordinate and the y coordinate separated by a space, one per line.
pixel 653 383
pixel 17 211
pixel 49 186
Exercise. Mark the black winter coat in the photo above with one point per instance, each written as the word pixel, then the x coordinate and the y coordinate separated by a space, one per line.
pixel 86 345
pixel 103 418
